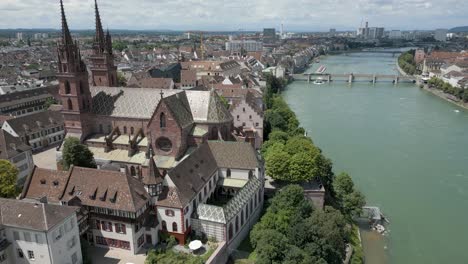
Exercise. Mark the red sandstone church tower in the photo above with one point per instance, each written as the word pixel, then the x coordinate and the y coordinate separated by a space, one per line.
pixel 73 84
pixel 103 71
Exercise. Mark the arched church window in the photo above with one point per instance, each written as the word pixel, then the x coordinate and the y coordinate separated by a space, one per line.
pixel 162 120
pixel 67 87
pixel 174 227
pixel 81 88
pixel 125 129
pixel 69 104
pixel 164 225
pixel 228 173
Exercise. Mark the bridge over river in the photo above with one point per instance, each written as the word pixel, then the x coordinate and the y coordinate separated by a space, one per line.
pixel 354 77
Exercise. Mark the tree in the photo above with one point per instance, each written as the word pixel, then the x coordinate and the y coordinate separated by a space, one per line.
pixel 300 143
pixel 75 153
pixel 277 165
pixel 8 177
pixel 276 120
pixel 278 136
pixel 121 80
pixel 301 167
pixel 271 247
pixel 323 170
pixel 349 199
pixel 49 101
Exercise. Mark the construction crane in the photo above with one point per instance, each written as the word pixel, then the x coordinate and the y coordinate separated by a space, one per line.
pixel 202 46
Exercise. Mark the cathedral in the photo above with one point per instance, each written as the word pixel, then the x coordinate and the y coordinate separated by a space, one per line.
pixel 121 124
pixel 168 160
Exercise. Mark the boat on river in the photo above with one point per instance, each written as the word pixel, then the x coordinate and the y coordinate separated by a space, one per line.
pixel 319 81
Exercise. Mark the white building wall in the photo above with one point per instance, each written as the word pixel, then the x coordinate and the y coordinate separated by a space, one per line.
pixel 41 250
pixel 24 163
pixel 130 235
pixel 69 243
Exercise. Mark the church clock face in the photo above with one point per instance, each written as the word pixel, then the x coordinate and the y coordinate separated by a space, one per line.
pixel 164 144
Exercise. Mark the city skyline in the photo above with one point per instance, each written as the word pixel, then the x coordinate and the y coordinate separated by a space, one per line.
pixel 234 15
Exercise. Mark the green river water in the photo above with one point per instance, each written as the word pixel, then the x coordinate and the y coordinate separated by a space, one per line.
pixel 406 149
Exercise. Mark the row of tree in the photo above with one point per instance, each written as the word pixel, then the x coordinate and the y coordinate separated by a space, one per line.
pixel 407 63
pixel 439 84
pixel 292 231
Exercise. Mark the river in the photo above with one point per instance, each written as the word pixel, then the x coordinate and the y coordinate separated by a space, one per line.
pixel 406 149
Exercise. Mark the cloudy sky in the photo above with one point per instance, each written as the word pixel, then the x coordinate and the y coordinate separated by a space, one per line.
pixel 232 15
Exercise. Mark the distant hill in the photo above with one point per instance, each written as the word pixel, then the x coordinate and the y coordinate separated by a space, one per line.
pixel 459 29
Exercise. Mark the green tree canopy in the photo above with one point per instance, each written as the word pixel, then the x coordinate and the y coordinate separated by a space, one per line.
pixel 301 167
pixel 277 165
pixel 75 153
pixel 300 143
pixel 349 199
pixel 8 177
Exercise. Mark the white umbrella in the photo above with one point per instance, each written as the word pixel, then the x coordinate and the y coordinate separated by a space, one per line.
pixel 194 245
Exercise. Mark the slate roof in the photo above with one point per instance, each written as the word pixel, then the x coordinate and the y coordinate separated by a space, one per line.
pixel 11 146
pixel 191 174
pixel 36 122
pixel 33 215
pixel 204 106
pixel 179 106
pixel 207 107
pixel 127 102
pixel 238 155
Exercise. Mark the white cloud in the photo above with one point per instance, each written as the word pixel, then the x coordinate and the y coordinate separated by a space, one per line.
pixel 235 14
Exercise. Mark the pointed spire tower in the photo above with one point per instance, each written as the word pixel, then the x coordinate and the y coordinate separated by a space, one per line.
pixel 73 84
pixel 103 71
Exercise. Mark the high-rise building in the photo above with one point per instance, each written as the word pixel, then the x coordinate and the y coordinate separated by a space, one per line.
pixel 19 36
pixel 395 34
pixel 247 45
pixel 441 34
pixel 332 32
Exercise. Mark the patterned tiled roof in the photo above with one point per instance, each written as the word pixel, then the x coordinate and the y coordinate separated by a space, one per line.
pixel 207 107
pixel 204 106
pixel 231 209
pixel 127 102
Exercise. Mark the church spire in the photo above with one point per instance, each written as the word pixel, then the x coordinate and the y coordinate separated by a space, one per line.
pixel 108 42
pixel 66 36
pixel 99 39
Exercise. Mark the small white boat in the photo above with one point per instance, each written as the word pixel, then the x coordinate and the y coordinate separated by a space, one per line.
pixel 456 111
pixel 318 81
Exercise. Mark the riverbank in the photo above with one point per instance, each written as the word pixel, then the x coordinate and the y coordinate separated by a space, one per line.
pixel 445 96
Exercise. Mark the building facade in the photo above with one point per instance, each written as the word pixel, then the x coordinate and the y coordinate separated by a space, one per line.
pixel 34 232
pixel 18 153
pixel 38 130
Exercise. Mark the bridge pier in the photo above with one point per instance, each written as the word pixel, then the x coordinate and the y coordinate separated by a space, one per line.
pixel 328 77
pixel 397 78
pixel 308 78
pixel 374 79
pixel 351 78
